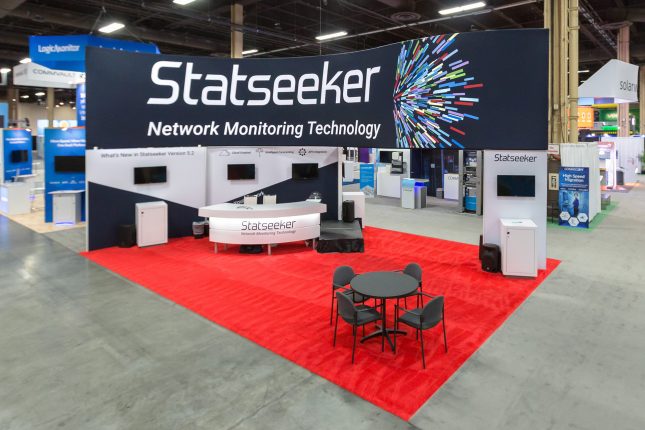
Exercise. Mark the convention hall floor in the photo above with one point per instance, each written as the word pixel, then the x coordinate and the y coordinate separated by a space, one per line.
pixel 81 348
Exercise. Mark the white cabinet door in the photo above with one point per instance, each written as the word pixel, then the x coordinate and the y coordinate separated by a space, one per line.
pixel 520 252
pixel 152 227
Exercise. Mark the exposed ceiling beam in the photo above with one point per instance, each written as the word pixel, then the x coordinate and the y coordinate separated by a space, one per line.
pixel 9 5
pixel 78 21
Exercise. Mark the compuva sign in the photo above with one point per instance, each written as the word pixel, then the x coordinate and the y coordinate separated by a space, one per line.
pixel 324 87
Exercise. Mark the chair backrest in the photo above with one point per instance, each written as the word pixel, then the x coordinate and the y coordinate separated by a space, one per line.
pixel 342 276
pixel 414 270
pixel 250 200
pixel 346 308
pixel 269 199
pixel 433 311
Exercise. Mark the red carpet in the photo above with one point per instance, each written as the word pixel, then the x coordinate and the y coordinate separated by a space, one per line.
pixel 288 296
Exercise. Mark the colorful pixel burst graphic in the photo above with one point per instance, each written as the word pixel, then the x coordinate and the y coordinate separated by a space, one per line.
pixel 431 94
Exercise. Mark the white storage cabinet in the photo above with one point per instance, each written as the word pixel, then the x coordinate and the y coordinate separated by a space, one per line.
pixel 152 223
pixel 518 247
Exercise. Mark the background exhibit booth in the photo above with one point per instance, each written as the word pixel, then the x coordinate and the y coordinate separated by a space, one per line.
pixel 15 171
pixel 214 131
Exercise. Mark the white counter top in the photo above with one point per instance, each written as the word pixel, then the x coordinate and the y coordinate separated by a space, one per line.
pixel 232 210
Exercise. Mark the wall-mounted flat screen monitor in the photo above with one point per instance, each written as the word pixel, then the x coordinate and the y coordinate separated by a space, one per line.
pixel 238 172
pixel 385 156
pixel 515 186
pixel 19 156
pixel 150 175
pixel 69 163
pixel 304 171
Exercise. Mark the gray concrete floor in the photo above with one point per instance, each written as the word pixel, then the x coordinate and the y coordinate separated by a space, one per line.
pixel 82 348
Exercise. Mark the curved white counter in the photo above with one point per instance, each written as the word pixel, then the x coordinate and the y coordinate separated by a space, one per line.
pixel 263 224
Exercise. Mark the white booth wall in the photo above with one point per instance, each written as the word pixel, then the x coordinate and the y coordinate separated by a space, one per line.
pixel 585 155
pixel 629 150
pixel 496 207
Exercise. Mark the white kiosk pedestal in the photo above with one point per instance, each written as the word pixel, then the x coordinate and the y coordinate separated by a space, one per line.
pixel 152 223
pixel 67 206
pixel 518 247
pixel 14 198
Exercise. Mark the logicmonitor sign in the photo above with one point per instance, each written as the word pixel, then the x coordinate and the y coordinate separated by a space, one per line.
pixel 446 91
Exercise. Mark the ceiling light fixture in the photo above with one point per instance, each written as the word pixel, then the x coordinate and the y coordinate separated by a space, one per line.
pixel 25 60
pixel 5 70
pixel 182 2
pixel 26 96
pixel 250 51
pixel 464 8
pixel 331 35
pixel 583 71
pixel 39 94
pixel 110 28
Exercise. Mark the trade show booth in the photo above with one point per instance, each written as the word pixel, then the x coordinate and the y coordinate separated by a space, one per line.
pixel 274 144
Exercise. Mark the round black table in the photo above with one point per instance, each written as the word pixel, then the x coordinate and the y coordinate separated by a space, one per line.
pixel 383 286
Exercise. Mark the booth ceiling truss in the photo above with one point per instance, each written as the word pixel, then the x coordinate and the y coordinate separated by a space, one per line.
pixel 288 28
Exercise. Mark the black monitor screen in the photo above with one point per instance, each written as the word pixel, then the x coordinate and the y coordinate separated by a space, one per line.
pixel 150 175
pixel 69 163
pixel 301 171
pixel 385 156
pixel 19 156
pixel 515 186
pixel 238 172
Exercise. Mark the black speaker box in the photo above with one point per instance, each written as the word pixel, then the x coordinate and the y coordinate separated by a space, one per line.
pixel 348 211
pixel 490 256
pixel 126 236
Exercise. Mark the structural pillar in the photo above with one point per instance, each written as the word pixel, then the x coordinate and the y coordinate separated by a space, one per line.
pixel 573 70
pixel 556 19
pixel 50 107
pixel 237 19
pixel 623 55
pixel 12 100
pixel 641 99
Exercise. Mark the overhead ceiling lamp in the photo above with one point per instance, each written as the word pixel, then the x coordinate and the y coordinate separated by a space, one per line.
pixel 250 51
pixel 26 96
pixel 331 35
pixel 25 60
pixel 182 2
pixel 39 94
pixel 110 28
pixel 464 8
pixel 5 70
pixel 583 71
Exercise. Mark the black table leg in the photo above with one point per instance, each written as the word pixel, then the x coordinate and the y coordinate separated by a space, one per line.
pixel 383 331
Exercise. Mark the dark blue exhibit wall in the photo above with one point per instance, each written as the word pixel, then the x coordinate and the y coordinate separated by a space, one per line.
pixel 61 173
pixel 110 207
pixel 16 153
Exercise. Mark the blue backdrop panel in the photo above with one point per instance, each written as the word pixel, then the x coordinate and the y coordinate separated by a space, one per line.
pixel 80 104
pixel 16 140
pixel 68 52
pixel 62 143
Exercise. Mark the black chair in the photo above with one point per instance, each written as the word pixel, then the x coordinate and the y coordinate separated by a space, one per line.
pixel 354 315
pixel 414 270
pixel 423 319
pixel 343 275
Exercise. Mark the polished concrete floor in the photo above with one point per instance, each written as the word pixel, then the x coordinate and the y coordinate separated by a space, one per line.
pixel 82 348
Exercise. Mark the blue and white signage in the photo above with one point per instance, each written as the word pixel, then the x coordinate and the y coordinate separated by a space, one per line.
pixel 16 153
pixel 68 52
pixel 80 104
pixel 64 163
pixel 574 197
pixel 366 181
